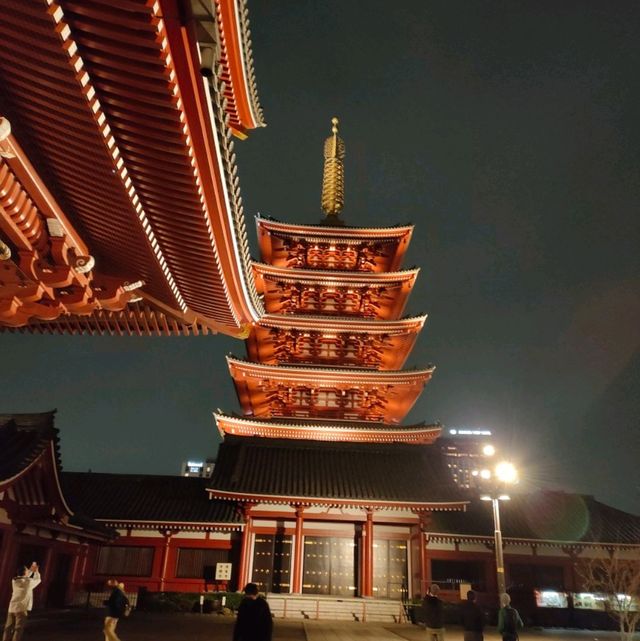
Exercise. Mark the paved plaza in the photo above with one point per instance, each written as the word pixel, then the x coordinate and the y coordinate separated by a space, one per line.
pixel 82 625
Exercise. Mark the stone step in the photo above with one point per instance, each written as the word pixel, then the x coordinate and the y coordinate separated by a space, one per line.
pixel 327 608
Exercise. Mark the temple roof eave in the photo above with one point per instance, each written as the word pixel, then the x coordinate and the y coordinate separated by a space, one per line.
pixel 144 244
pixel 418 506
pixel 233 23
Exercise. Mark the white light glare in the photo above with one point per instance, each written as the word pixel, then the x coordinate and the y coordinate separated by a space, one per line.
pixel 485 497
pixel 485 474
pixel 488 450
pixel 506 472
pixel 504 497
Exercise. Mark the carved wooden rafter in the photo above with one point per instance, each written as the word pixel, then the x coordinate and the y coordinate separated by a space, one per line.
pixel 361 302
pixel 341 256
pixel 306 401
pixel 296 346
pixel 47 274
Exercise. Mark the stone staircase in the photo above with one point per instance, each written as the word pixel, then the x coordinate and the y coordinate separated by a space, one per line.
pixel 312 607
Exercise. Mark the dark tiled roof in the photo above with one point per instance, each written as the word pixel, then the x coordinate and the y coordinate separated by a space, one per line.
pixel 549 516
pixel 326 469
pixel 89 524
pixel 139 497
pixel 23 437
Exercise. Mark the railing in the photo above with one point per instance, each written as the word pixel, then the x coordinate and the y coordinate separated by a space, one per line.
pixel 90 599
pixel 316 608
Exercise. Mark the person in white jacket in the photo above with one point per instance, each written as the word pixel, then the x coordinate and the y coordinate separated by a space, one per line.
pixel 21 602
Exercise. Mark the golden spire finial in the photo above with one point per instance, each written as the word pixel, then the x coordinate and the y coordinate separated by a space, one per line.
pixel 333 176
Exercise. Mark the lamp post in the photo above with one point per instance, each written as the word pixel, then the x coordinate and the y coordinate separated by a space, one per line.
pixel 505 473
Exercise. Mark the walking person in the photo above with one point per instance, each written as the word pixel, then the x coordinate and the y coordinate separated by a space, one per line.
pixel 117 604
pixel 432 614
pixel 509 620
pixel 472 618
pixel 254 621
pixel 21 603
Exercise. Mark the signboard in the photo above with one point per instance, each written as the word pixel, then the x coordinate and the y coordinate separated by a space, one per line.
pixel 223 571
pixel 464 588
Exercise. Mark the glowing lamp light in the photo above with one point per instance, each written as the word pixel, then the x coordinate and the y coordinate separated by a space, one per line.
pixel 506 472
pixel 485 474
pixel 488 450
pixel 485 497
pixel 504 497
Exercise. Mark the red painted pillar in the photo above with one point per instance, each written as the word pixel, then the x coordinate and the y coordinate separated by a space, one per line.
pixel 165 560
pixel 367 583
pixel 425 574
pixel 74 579
pixel 245 550
pixel 298 553
pixel 7 561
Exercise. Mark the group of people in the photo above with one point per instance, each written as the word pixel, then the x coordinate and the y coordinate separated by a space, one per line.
pixel 254 621
pixel 28 578
pixel 472 617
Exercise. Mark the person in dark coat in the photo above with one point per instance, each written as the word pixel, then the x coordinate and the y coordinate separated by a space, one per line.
pixel 116 605
pixel 254 621
pixel 472 618
pixel 432 614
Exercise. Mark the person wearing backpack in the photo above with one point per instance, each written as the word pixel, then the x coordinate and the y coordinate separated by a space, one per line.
pixel 509 620
pixel 117 607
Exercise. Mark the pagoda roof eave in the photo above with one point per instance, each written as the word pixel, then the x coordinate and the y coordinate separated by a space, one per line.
pixel 325 429
pixel 344 323
pixel 286 274
pixel 418 506
pixel 327 231
pixel 307 373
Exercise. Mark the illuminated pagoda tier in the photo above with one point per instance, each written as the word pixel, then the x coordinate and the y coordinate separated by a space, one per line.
pixel 334 293
pixel 342 248
pixel 349 394
pixel 113 117
pixel 335 493
pixel 295 340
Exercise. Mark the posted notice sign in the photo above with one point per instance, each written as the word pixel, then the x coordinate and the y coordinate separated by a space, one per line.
pixel 223 571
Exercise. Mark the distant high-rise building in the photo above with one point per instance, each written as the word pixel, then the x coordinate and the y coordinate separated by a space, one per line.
pixel 198 468
pixel 466 452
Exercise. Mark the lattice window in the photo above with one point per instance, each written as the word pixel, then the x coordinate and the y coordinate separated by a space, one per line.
pixel 120 560
pixel 196 563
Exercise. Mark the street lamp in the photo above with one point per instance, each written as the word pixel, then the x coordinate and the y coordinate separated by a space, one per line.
pixel 505 473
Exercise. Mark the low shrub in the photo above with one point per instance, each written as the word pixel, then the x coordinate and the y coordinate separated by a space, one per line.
pixel 190 601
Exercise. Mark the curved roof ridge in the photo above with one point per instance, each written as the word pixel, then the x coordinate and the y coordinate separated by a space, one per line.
pixel 318 227
pixel 333 370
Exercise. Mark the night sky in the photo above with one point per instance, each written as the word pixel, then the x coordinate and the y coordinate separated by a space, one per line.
pixel 508 133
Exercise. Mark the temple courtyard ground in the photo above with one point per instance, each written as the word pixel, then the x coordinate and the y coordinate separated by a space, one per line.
pixel 85 625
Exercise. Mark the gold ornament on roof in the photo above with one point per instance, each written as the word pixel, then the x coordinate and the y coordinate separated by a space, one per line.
pixel 333 176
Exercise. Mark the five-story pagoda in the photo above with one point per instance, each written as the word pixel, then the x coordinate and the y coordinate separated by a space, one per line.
pixel 334 492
